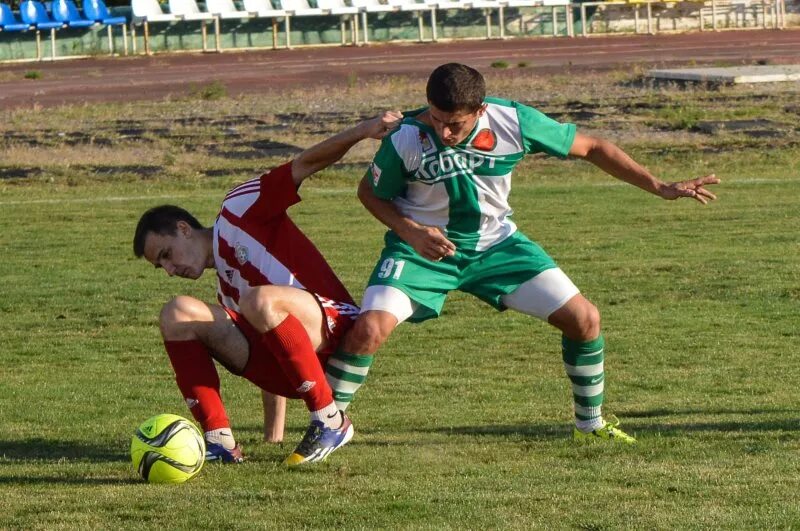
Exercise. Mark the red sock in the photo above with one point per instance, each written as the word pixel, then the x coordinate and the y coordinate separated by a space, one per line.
pixel 292 349
pixel 198 381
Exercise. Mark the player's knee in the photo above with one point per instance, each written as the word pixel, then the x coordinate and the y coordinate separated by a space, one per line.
pixel 587 322
pixel 261 306
pixel 248 302
pixel 368 334
pixel 179 317
pixel 578 319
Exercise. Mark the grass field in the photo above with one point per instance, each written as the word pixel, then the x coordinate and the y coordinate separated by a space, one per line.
pixel 465 421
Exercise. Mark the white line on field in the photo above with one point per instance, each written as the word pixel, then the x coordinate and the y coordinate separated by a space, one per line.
pixel 310 191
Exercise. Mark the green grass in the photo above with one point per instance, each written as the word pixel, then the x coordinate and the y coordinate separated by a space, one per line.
pixel 465 421
pixel 211 91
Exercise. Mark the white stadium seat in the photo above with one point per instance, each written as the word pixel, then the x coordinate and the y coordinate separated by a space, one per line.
pixel 301 8
pixel 419 8
pixel 224 9
pixel 188 10
pixel 145 12
pixel 264 9
pixel 347 13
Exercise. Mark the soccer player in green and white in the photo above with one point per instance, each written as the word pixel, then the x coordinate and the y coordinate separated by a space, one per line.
pixel 440 182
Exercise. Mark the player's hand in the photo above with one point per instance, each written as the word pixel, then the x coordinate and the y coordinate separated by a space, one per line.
pixel 694 188
pixel 382 125
pixel 429 242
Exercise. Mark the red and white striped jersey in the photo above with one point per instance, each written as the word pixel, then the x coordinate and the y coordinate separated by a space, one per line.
pixel 256 243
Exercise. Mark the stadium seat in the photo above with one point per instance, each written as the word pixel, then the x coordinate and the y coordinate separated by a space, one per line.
pixel 484 5
pixel 301 8
pixel 96 10
pixel 34 13
pixel 8 22
pixel 222 10
pixel 65 11
pixel 420 8
pixel 145 12
pixel 225 9
pixel 346 14
pixel 188 10
pixel 366 7
pixel 264 9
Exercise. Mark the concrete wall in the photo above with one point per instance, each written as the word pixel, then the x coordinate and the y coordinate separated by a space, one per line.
pixel 686 16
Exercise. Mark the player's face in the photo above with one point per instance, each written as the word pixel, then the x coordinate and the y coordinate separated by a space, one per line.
pixel 179 255
pixel 454 127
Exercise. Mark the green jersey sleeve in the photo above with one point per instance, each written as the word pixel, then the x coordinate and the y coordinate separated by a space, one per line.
pixel 387 172
pixel 543 134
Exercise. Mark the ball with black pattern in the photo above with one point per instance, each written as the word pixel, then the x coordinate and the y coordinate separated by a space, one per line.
pixel 167 449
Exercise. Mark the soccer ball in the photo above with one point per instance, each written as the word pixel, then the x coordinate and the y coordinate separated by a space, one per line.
pixel 167 449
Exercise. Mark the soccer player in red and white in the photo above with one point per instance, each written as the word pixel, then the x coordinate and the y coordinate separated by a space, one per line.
pixel 281 311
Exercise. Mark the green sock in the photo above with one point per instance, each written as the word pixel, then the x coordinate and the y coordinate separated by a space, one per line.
pixel 346 373
pixel 583 361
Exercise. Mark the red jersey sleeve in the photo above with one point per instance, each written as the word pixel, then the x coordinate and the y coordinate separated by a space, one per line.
pixel 264 197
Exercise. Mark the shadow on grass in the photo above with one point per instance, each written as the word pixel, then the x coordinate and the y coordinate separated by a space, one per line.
pixel 293 434
pixel 652 413
pixel 54 450
pixel 671 424
pixel 558 431
pixel 749 420
pixel 61 480
pixel 788 425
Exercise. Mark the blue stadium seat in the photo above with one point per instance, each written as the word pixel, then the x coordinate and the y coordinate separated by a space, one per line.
pixel 34 13
pixel 65 11
pixel 96 10
pixel 8 22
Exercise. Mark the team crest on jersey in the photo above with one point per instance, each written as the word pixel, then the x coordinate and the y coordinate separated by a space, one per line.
pixel 425 142
pixel 376 173
pixel 242 254
pixel 485 140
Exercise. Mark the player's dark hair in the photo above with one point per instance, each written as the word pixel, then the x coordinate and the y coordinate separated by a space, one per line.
pixel 162 220
pixel 455 87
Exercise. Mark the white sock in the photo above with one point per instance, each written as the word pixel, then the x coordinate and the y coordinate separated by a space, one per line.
pixel 223 436
pixel 587 426
pixel 329 415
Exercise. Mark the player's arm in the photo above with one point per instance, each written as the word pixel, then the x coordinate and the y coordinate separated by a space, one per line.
pixel 612 160
pixel 329 151
pixel 429 242
pixel 274 416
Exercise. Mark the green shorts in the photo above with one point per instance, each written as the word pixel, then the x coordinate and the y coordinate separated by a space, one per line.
pixel 488 274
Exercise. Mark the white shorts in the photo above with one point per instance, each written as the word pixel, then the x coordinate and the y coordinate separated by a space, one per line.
pixel 542 295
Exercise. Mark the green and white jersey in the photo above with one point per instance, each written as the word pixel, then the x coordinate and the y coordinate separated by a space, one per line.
pixel 464 189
